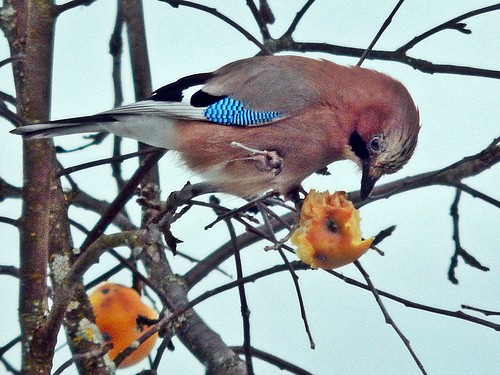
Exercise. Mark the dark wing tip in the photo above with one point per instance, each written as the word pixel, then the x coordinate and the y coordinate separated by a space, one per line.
pixel 173 92
pixel 202 99
pixel 60 127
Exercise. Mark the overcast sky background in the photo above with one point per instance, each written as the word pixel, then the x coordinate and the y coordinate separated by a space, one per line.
pixel 459 115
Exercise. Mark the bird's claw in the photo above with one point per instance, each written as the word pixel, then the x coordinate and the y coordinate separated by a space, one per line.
pixel 265 161
pixel 268 161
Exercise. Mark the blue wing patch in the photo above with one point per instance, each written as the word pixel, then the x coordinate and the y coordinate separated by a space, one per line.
pixel 229 111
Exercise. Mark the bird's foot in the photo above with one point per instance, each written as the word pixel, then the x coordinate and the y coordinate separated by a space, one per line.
pixel 265 161
pixel 294 195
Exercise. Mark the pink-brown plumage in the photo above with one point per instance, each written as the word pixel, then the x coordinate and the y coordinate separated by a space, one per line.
pixel 302 151
pixel 317 112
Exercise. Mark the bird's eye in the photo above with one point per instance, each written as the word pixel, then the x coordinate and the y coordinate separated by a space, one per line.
pixel 377 144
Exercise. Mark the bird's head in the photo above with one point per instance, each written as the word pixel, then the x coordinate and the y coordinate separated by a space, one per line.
pixel 384 138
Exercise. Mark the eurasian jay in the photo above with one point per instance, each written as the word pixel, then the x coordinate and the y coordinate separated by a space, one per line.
pixel 268 122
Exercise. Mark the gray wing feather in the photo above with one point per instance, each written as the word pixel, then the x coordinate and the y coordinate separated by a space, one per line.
pixel 171 110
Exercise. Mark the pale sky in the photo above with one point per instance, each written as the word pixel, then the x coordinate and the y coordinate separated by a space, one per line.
pixel 459 115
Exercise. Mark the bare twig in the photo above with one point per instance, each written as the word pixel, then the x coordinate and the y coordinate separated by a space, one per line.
pixel 388 318
pixel 482 311
pixel 4 349
pixel 383 234
pixel 451 24
pixel 266 13
pixel 83 356
pixel 274 360
pixel 384 26
pixel 10 271
pixel 116 165
pixel 8 220
pixel 257 15
pixel 96 163
pixel 297 18
pixel 459 250
pixel 4 97
pixel 165 215
pixel 119 202
pixel 239 210
pixel 205 344
pixel 202 269
pixel 116 51
pixel 166 343
pixel 8 60
pixel 247 239
pixel 448 176
pixel 288 44
pixel 71 4
pixel 83 200
pixel 297 265
pixel 418 306
pixel 10 116
pixel 9 367
pixel 222 17
pixel 9 191
pixel 95 139
pixel 270 230
pixel 245 310
pixel 477 194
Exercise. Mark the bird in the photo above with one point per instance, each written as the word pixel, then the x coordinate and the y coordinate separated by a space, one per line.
pixel 265 123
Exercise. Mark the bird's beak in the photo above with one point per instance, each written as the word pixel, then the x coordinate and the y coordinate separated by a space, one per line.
pixel 368 179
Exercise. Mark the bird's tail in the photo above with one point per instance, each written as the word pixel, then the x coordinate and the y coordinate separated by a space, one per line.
pixel 148 121
pixel 85 124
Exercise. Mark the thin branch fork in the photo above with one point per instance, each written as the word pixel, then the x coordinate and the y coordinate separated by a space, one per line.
pixel 451 24
pixel 287 43
pixel 459 250
pixel 222 17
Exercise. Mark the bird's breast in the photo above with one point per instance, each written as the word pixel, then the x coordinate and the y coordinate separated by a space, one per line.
pixel 247 161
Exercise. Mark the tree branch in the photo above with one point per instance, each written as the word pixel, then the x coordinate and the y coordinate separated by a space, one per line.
pixel 388 318
pixel 9 270
pixel 204 343
pixel 260 21
pixel 116 206
pixel 70 5
pixel 288 44
pixel 384 26
pixel 274 360
pixel 298 17
pixel 245 310
pixel 446 25
pixel 215 13
pixel 448 176
pixel 459 250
